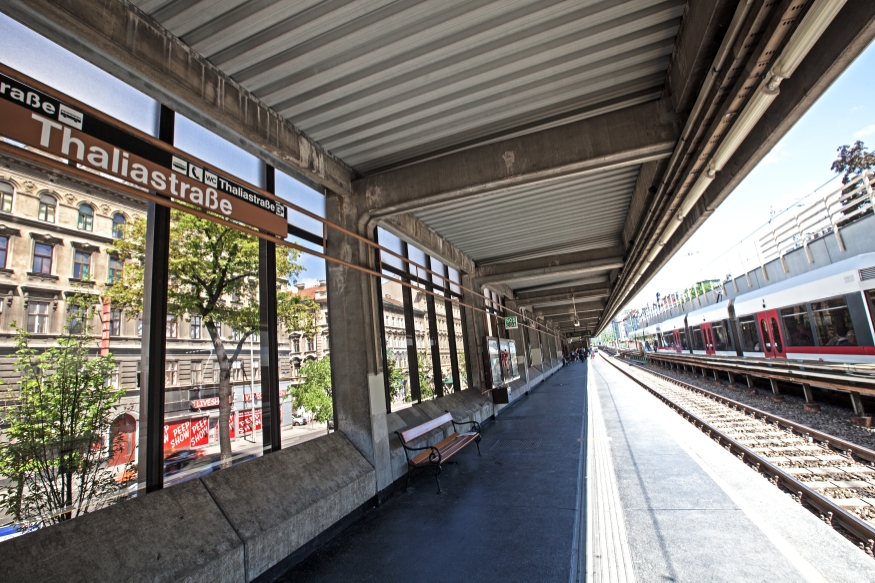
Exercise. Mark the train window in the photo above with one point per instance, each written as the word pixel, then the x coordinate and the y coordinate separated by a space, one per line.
pixel 721 337
pixel 797 326
pixel 697 338
pixel 833 324
pixel 683 335
pixel 766 339
pixel 668 339
pixel 776 336
pixel 750 340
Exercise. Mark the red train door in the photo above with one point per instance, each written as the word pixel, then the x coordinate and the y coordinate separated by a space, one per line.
pixel 708 338
pixel 770 329
pixel 677 341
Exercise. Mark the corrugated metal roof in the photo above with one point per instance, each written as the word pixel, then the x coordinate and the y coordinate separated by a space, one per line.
pixel 382 82
pixel 563 216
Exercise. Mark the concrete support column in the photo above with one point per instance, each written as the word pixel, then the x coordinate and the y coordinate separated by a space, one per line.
pixel 809 396
pixel 775 390
pixel 857 404
pixel 716 378
pixel 731 378
pixel 356 377
pixel 749 381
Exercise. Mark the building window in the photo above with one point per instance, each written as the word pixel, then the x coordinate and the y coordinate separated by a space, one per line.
pixel 236 335
pixel 42 258
pixel 4 248
pixel 236 371
pixel 47 206
pixel 115 322
pixel 171 373
pixel 140 325
pixel 115 269
pixel 296 344
pixel 216 372
pixel 38 317
pixel 114 378
pixel 311 344
pixel 86 218
pixel 118 225
pixel 6 192
pixel 172 326
pixel 197 372
pixel 81 265
pixel 256 369
pixel 195 328
pixel 77 319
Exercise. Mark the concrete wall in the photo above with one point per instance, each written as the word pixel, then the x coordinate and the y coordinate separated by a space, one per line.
pixel 229 526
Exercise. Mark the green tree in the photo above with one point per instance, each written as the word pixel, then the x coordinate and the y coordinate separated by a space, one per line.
pixel 213 274
pixel 314 394
pixel 396 377
pixel 853 161
pixel 56 449
pixel 426 387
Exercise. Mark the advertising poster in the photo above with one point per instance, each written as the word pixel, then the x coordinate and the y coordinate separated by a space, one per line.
pixel 177 435
pixel 200 432
pixel 506 372
pixel 494 361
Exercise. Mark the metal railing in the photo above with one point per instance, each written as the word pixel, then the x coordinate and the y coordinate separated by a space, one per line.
pixel 819 218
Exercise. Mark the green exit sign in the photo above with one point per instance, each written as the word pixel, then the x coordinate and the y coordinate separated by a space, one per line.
pixel 510 323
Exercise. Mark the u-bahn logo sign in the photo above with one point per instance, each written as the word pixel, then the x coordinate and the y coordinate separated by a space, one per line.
pixel 42 118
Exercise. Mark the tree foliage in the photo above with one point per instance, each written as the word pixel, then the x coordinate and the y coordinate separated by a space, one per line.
pixel 56 450
pixel 213 274
pixel 396 377
pixel 853 160
pixel 314 394
pixel 426 387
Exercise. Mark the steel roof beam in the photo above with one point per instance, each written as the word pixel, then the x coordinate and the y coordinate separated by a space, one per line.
pixel 130 45
pixel 556 313
pixel 526 298
pixel 633 135
pixel 578 263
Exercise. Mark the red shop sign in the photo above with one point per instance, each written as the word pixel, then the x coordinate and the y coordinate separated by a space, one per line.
pixel 246 421
pixel 200 431
pixel 177 435
pixel 232 426
pixel 203 403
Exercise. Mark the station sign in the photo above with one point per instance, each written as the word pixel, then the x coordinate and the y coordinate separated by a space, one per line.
pixel 510 323
pixel 40 117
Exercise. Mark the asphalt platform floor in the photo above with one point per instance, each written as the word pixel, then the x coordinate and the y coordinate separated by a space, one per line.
pixel 506 515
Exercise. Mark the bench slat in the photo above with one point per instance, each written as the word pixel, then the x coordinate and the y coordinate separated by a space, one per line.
pixel 448 448
pixel 420 430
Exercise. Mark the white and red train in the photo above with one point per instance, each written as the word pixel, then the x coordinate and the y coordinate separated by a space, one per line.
pixel 825 314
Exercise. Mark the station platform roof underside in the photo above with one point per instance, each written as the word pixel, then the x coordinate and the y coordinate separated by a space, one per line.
pixel 546 145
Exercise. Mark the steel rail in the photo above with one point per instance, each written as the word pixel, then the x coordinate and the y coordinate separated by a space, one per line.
pixel 810 373
pixel 849 522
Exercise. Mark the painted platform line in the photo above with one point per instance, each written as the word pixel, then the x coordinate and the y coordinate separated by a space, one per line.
pixel 608 558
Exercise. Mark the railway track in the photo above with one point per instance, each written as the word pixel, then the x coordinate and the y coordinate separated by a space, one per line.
pixel 832 477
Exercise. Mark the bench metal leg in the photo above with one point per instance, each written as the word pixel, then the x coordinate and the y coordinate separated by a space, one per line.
pixel 477 441
pixel 437 474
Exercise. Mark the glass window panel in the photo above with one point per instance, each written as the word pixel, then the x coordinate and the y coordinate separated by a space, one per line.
pixel 697 338
pixel 211 425
pixel 43 60
pixel 47 206
pixel 721 336
pixel 832 322
pixel 437 267
pixel 456 277
pixel 6 193
pixel 393 243
pixel 797 326
pixel 4 248
pixel 417 256
pixel 81 265
pixel 42 258
pixel 750 338
pixel 396 344
pixel 209 147
pixel 293 191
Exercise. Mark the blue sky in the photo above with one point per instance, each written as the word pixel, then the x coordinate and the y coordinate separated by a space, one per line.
pixel 796 166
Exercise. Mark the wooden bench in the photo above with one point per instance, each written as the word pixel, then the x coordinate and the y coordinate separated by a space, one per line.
pixel 433 456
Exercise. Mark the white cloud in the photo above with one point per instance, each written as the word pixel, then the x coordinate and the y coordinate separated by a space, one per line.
pixel 868 130
pixel 771 158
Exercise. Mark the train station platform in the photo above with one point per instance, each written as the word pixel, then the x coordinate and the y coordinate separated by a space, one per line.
pixel 649 499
